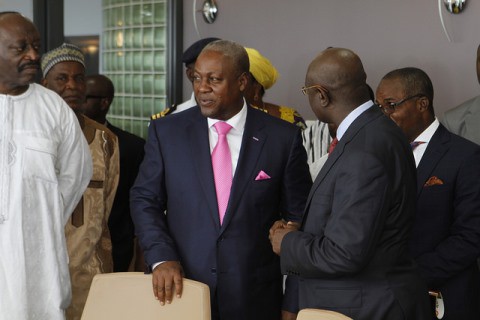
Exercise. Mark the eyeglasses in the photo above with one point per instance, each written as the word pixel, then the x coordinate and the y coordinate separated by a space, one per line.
pixel 94 97
pixel 319 87
pixel 389 107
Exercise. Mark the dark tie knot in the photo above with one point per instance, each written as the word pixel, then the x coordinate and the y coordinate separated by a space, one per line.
pixel 415 144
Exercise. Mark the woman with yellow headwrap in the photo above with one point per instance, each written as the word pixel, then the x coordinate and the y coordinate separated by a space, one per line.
pixel 263 75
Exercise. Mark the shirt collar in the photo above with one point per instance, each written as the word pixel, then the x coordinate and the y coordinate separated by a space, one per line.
pixel 342 128
pixel 237 121
pixel 428 133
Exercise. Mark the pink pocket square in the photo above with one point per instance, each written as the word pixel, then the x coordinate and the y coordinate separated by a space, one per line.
pixel 262 176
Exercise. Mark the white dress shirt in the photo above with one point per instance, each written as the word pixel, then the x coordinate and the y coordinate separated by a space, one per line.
pixel 234 136
pixel 342 128
pixel 424 137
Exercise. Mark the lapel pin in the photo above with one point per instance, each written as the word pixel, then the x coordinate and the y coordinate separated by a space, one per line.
pixel 255 138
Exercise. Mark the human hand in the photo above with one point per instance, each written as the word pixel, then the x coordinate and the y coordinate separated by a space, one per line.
pixel 279 224
pixel 167 277
pixel 287 315
pixel 277 235
pixel 282 224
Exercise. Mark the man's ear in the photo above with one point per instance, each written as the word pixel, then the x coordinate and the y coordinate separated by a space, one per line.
pixel 423 104
pixel 324 97
pixel 105 105
pixel 43 82
pixel 242 81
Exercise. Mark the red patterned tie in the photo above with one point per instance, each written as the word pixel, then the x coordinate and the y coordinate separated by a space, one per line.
pixel 222 167
pixel 332 146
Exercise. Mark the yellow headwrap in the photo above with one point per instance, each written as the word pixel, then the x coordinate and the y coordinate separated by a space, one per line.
pixel 261 68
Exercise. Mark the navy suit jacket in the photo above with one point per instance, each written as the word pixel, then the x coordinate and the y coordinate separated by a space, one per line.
pixel 352 253
pixel 235 259
pixel 120 221
pixel 446 234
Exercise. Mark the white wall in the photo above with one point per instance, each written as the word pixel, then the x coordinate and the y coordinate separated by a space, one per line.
pixel 82 17
pixel 385 34
pixel 25 7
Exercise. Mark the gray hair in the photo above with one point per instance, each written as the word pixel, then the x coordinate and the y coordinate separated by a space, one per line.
pixel 234 51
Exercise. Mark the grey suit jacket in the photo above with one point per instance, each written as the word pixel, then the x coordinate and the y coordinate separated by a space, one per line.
pixel 351 255
pixel 464 120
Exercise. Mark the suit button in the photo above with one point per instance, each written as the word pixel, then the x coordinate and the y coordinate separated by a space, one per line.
pixel 213 270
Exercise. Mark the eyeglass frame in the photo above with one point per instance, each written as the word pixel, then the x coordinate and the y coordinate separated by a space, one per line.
pixel 390 108
pixel 319 87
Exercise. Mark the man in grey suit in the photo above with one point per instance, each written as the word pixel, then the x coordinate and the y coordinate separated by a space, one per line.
pixel 464 119
pixel 351 253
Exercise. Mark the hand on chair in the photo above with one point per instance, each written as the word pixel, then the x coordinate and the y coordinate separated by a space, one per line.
pixel 166 278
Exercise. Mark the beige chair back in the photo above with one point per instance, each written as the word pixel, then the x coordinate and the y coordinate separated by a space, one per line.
pixel 129 295
pixel 318 314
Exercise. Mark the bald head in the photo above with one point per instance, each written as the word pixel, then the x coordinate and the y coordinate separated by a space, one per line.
pixel 339 80
pixel 337 68
pixel 100 85
pixel 19 53
pixel 99 95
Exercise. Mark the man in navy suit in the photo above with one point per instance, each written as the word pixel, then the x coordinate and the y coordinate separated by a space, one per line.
pixel 446 233
pixel 351 253
pixel 174 200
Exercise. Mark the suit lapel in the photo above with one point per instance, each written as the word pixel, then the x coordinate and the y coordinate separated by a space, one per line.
pixel 369 115
pixel 437 147
pixel 197 132
pixel 252 144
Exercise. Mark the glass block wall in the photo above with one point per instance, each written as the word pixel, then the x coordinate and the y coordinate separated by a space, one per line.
pixel 133 53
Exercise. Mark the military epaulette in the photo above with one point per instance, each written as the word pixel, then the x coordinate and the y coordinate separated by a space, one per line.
pixel 258 108
pixel 164 113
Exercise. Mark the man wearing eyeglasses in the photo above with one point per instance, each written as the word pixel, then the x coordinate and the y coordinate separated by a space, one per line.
pixel 446 234
pixel 350 254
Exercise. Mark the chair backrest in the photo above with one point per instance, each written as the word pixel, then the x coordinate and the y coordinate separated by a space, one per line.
pixel 129 295
pixel 319 314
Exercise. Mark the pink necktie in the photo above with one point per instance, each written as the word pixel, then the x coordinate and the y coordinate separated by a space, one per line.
pixel 222 167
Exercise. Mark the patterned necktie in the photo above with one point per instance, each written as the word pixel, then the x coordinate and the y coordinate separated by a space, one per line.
pixel 415 144
pixel 332 146
pixel 222 167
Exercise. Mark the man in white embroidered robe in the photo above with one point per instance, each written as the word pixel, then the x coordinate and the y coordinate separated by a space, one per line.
pixel 45 166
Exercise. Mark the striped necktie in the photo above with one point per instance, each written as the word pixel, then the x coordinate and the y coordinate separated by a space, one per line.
pixel 415 144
